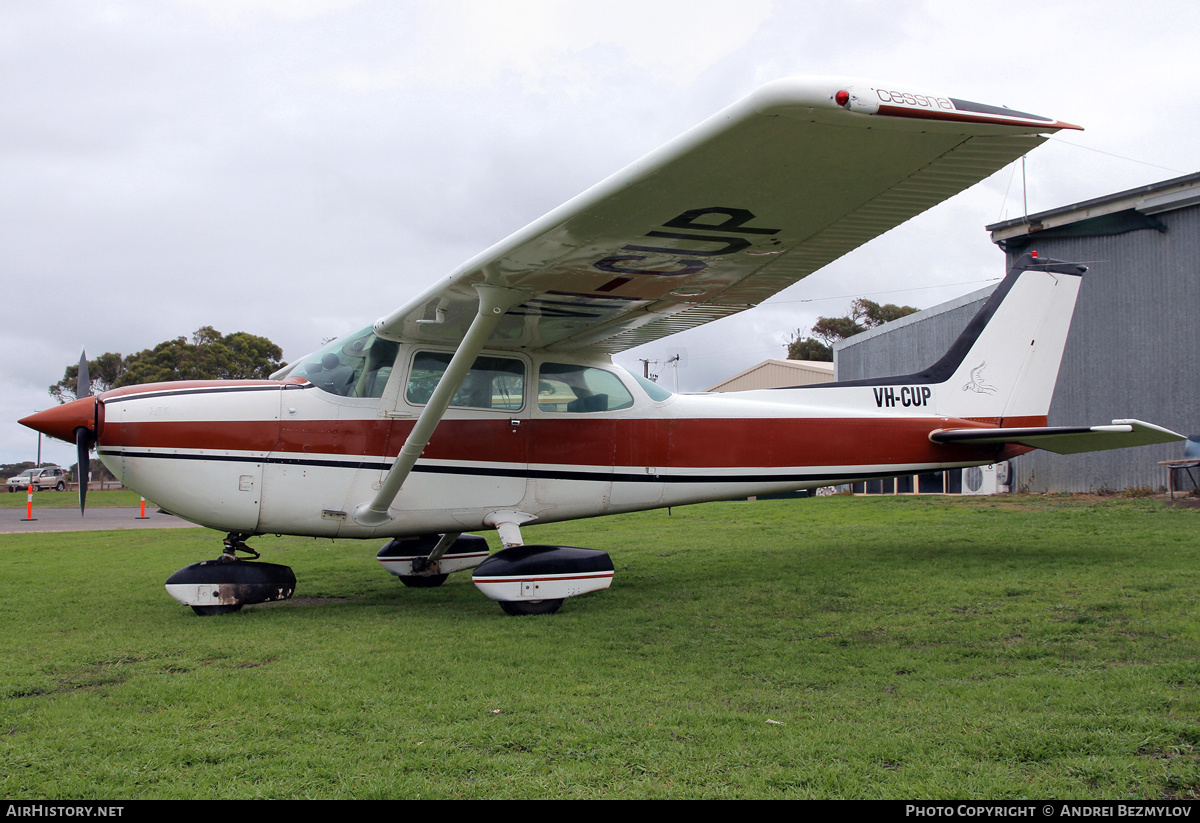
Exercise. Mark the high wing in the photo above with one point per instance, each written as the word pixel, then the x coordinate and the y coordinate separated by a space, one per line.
pixel 752 200
pixel 1065 439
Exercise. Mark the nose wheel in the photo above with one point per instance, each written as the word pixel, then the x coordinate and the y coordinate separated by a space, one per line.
pixel 224 585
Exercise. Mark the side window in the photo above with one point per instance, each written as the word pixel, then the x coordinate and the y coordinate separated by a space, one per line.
pixel 655 391
pixel 576 389
pixel 492 382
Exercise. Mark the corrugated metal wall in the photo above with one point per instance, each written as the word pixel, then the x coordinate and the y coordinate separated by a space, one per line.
pixel 908 344
pixel 1133 351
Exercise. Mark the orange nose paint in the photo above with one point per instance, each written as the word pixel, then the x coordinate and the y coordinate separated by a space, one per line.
pixel 60 422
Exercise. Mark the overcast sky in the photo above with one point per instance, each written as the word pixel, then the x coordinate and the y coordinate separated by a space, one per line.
pixel 298 168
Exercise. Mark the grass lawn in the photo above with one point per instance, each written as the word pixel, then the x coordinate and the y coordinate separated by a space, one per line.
pixel 1008 647
pixel 70 499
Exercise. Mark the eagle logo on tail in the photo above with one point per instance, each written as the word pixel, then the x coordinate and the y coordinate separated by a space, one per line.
pixel 978 384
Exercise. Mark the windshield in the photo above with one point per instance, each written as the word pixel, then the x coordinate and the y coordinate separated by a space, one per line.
pixel 355 366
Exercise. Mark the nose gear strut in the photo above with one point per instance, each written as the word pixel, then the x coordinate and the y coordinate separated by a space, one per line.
pixel 236 542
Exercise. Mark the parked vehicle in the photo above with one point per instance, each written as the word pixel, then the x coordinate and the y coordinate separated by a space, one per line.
pixel 47 477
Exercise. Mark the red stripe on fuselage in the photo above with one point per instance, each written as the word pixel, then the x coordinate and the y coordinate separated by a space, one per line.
pixel 679 443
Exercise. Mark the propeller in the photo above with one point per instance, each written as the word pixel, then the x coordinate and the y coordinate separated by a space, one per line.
pixel 83 436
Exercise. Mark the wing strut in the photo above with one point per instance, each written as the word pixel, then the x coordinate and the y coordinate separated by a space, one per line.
pixel 494 301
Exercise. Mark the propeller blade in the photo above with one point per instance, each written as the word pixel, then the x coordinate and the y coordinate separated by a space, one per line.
pixel 83 386
pixel 83 437
pixel 83 447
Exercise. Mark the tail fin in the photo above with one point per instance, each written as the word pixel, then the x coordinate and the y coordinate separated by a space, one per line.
pixel 1005 362
pixel 1004 365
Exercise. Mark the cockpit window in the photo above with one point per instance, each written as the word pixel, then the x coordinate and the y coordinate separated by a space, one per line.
pixel 492 382
pixel 354 366
pixel 564 387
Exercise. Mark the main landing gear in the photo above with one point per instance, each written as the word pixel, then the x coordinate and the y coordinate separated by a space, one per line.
pixel 524 580
pixel 528 580
pixel 226 584
pixel 425 562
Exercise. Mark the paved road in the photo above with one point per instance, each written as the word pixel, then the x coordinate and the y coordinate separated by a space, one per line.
pixel 67 519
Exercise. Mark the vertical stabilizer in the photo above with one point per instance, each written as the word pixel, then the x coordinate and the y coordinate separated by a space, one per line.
pixel 1005 363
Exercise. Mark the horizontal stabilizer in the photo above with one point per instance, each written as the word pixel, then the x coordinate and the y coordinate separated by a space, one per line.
pixel 1065 439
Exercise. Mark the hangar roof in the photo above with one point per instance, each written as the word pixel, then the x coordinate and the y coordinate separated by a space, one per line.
pixel 776 373
pixel 1112 214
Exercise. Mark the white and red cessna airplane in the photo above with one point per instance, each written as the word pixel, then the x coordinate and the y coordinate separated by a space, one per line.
pixel 490 401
